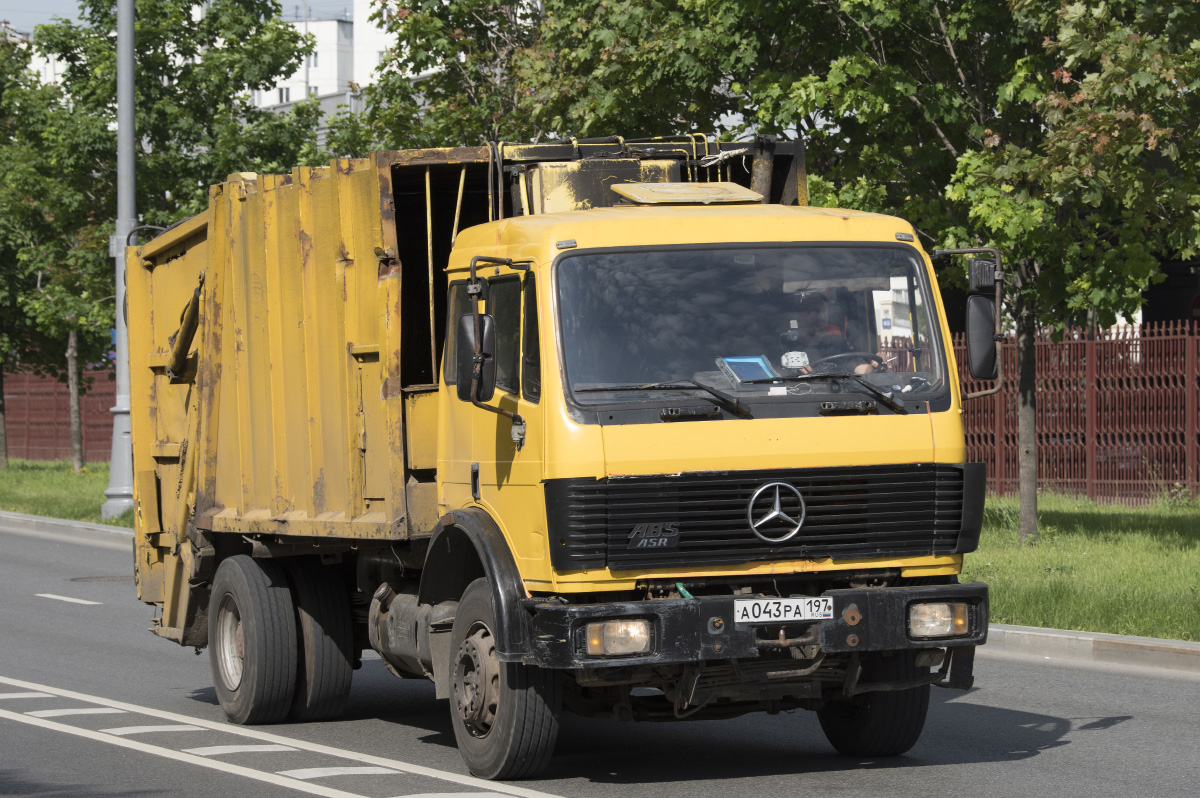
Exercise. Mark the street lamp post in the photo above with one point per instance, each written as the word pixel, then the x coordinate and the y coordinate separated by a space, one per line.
pixel 120 479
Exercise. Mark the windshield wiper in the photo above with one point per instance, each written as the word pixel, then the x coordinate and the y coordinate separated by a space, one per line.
pixel 731 402
pixel 896 405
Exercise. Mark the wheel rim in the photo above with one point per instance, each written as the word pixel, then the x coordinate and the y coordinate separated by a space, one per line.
pixel 231 646
pixel 477 681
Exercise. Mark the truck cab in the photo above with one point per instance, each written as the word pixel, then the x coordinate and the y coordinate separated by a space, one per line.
pixel 725 452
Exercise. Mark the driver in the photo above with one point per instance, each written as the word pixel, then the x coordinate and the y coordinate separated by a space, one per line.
pixel 811 332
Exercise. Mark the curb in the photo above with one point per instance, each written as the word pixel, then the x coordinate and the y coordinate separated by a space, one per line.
pixel 40 523
pixel 1149 652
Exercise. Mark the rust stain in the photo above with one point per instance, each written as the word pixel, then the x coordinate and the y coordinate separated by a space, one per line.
pixel 319 492
pixel 183 454
pixel 387 205
pixel 306 245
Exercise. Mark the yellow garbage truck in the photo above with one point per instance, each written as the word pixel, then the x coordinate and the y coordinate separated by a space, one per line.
pixel 615 427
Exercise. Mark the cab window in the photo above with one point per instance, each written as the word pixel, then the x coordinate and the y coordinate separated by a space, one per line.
pixel 504 305
pixel 531 361
pixel 459 305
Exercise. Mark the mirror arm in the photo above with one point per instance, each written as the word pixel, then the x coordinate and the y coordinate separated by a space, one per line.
pixel 474 290
pixel 999 335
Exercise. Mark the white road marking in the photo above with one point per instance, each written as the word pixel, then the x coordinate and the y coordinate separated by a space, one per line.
pixel 450 795
pixel 25 695
pixel 320 773
pixel 58 713
pixel 121 731
pixel 267 737
pixel 217 750
pixel 65 598
pixel 179 756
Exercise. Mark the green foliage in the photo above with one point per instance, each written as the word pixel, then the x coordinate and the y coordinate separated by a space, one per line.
pixel 448 80
pixel 197 64
pixel 646 68
pixel 24 344
pixel 1065 134
pixel 1109 183
pixel 1097 568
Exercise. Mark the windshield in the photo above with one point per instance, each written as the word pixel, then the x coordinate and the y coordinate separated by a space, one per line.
pixel 754 321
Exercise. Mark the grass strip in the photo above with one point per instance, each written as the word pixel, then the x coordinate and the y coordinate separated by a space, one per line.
pixel 50 488
pixel 1094 567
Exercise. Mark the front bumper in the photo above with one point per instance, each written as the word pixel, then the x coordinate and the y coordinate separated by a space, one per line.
pixel 698 629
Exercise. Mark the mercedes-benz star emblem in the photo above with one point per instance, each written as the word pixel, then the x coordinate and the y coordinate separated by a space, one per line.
pixel 765 513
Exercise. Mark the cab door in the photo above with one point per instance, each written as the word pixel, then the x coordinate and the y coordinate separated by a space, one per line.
pixel 510 468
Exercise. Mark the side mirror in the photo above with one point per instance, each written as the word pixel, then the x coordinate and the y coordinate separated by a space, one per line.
pixel 981 275
pixel 981 344
pixel 464 355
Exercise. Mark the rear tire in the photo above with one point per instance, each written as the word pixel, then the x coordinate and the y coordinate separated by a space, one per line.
pixel 505 714
pixel 879 724
pixel 325 638
pixel 252 640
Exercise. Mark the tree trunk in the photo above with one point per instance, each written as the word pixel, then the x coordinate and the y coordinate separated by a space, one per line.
pixel 73 399
pixel 3 427
pixel 1027 419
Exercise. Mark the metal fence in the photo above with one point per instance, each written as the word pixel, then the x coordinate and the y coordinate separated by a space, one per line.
pixel 37 420
pixel 1116 414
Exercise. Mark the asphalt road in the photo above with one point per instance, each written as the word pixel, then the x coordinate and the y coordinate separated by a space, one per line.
pixel 1032 727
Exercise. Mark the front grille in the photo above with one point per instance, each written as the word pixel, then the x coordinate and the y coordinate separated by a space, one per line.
pixel 912 509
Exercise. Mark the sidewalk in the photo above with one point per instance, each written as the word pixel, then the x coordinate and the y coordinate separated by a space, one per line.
pixel 40 523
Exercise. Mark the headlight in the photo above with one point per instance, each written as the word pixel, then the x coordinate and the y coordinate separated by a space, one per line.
pixel 614 638
pixel 938 620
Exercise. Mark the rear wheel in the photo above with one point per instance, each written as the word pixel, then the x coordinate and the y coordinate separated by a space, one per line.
pixel 505 714
pixel 879 723
pixel 252 640
pixel 325 638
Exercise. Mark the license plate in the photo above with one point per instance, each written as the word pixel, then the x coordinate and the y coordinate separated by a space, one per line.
pixel 782 610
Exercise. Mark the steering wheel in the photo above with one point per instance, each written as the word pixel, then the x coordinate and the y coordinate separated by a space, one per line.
pixel 870 357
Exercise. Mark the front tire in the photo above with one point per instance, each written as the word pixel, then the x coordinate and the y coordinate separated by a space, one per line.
pixel 879 723
pixel 252 640
pixel 505 714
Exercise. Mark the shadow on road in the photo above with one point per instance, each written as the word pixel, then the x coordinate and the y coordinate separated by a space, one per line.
pixel 756 745
pixel 204 695
pixel 957 732
pixel 12 782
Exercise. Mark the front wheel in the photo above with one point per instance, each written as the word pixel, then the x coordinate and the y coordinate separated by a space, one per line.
pixel 505 714
pixel 879 723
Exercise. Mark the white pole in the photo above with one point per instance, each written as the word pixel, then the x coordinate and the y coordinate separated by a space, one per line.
pixel 120 477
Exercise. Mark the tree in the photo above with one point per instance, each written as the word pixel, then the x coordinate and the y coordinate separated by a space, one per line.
pixel 449 78
pixel 50 164
pixel 1110 184
pixel 650 68
pixel 1063 134
pixel 197 64
pixel 23 346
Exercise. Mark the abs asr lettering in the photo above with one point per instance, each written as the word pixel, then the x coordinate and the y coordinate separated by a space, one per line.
pixel 657 535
